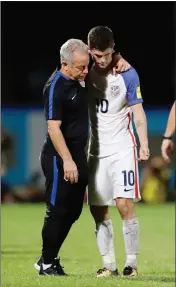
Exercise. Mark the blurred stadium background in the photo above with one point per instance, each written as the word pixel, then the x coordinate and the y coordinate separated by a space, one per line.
pixel 32 34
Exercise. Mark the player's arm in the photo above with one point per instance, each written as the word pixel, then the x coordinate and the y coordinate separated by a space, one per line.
pixel 135 101
pixel 54 116
pixel 167 143
pixel 58 140
pixel 140 122
pixel 170 128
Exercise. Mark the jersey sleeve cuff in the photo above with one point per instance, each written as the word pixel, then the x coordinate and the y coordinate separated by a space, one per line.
pixel 132 103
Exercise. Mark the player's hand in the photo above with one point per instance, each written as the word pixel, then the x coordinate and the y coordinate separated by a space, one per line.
pixel 70 171
pixel 120 65
pixel 167 147
pixel 144 154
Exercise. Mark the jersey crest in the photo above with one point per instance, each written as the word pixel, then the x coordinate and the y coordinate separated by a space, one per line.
pixel 115 91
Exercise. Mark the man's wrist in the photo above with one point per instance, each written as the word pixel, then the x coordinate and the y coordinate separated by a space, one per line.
pixel 66 158
pixel 144 144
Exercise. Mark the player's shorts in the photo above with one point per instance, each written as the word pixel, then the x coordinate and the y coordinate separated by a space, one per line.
pixel 61 194
pixel 112 177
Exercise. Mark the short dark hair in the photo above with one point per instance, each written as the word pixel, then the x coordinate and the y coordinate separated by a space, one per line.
pixel 100 38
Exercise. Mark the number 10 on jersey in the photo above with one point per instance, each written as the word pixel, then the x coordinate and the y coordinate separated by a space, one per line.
pixel 102 105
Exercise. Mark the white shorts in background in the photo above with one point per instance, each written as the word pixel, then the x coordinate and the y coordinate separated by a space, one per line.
pixel 112 177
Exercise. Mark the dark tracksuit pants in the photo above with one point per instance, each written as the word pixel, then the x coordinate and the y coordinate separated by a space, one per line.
pixel 64 202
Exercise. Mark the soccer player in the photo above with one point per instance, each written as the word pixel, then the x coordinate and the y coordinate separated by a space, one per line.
pixel 63 158
pixel 113 160
pixel 167 143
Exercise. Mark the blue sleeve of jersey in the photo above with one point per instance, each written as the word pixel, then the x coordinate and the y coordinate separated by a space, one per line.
pixel 132 84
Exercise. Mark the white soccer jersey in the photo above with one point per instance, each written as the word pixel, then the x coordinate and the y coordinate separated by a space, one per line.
pixel 110 98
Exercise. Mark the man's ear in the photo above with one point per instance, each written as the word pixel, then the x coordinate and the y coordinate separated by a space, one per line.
pixel 90 53
pixel 65 65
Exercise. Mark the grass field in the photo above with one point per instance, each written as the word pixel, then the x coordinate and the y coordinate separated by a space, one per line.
pixel 21 245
